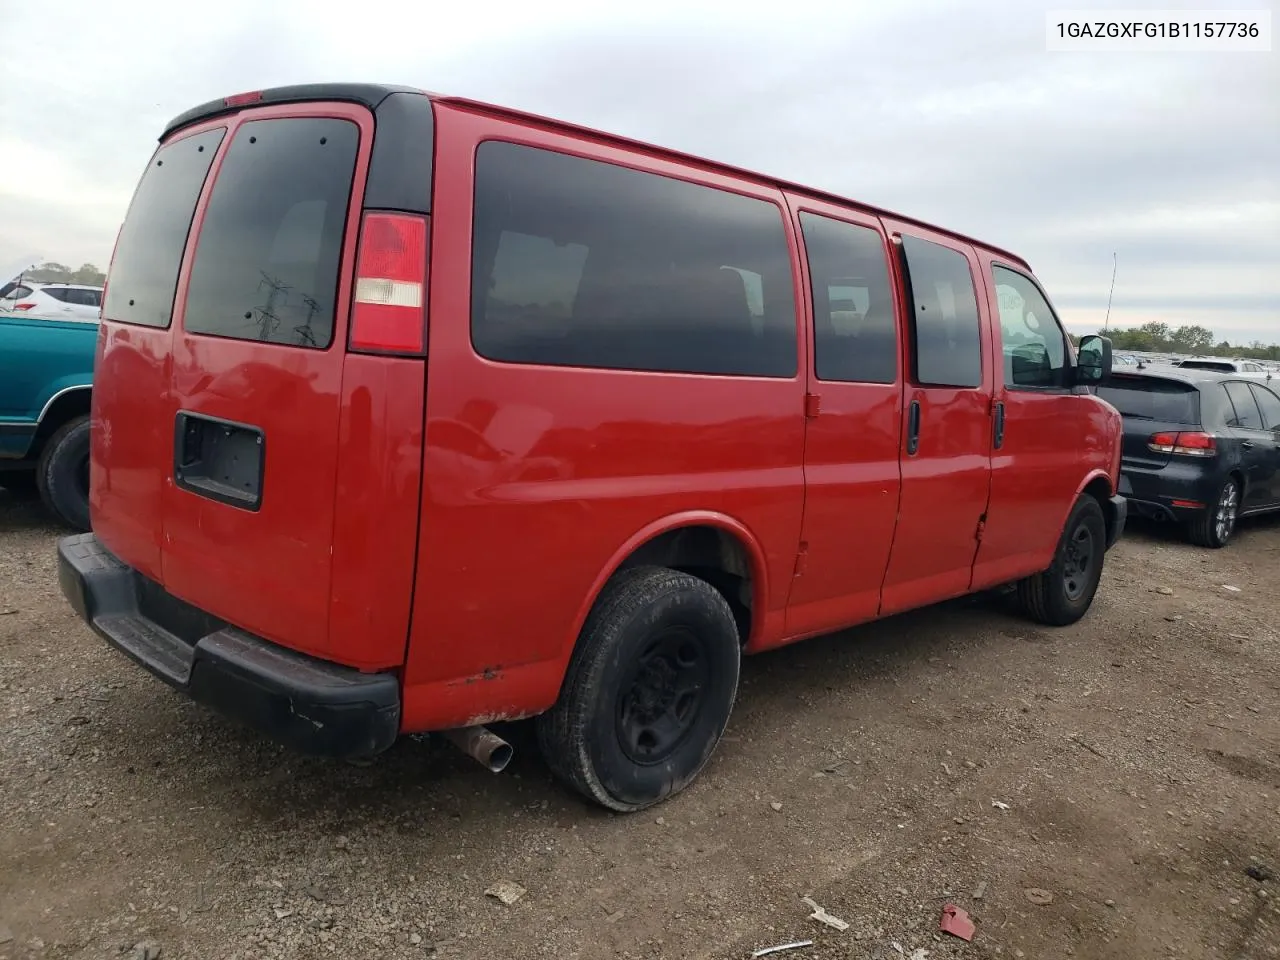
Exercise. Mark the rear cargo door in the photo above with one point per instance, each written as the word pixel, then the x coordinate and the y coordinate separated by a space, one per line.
pixel 255 392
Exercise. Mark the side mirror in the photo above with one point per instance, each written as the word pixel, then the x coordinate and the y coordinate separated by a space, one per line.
pixel 1093 360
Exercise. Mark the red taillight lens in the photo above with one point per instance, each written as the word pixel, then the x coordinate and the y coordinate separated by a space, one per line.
pixel 1189 444
pixel 23 306
pixel 240 99
pixel 388 313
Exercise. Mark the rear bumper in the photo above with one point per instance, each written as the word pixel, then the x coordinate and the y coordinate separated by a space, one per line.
pixel 1177 492
pixel 310 705
pixel 1118 515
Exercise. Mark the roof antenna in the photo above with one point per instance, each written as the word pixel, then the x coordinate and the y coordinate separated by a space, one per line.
pixel 1106 322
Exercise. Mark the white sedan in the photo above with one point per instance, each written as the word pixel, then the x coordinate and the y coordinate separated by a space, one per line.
pixel 51 301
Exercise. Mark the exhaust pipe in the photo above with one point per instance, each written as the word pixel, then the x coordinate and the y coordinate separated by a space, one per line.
pixel 482 745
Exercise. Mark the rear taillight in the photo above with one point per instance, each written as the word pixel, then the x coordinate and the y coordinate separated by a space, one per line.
pixel 23 306
pixel 1188 444
pixel 388 313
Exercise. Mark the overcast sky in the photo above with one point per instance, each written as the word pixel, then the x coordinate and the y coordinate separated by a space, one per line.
pixel 951 112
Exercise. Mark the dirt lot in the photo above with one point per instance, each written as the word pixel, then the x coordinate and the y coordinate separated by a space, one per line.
pixel 1138 753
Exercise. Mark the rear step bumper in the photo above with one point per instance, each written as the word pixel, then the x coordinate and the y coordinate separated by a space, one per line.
pixel 1118 508
pixel 311 705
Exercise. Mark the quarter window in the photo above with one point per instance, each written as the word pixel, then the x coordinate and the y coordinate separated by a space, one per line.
pixel 1033 346
pixel 1247 415
pixel 944 328
pixel 854 329
pixel 577 262
pixel 1269 405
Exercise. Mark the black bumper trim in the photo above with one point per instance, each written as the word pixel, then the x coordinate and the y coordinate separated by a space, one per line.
pixel 1119 510
pixel 311 705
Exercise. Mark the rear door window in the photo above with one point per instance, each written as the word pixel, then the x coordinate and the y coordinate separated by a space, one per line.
pixel 1145 398
pixel 144 271
pixel 266 265
pixel 1247 415
pixel 578 262
pixel 944 327
pixel 854 329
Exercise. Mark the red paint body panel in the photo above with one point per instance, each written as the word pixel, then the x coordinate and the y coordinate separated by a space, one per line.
pixel 375 525
pixel 852 483
pixel 455 518
pixel 1055 442
pixel 127 441
pixel 946 483
pixel 535 476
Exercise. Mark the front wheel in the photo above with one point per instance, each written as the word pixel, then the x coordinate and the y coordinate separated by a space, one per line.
pixel 63 473
pixel 1063 593
pixel 1215 526
pixel 648 692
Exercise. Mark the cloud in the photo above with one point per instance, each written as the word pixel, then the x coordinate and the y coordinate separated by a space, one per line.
pixel 953 113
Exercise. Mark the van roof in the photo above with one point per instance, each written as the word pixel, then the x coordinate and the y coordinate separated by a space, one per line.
pixel 371 95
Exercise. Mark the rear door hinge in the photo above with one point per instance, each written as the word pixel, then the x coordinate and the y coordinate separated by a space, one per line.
pixel 812 405
pixel 982 526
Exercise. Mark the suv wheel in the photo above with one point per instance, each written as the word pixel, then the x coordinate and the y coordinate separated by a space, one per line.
pixel 1063 593
pixel 648 692
pixel 63 473
pixel 1215 527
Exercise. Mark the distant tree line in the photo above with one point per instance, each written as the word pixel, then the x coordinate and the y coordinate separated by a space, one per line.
pixel 1156 337
pixel 60 273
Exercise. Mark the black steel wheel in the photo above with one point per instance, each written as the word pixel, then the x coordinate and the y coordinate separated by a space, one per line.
pixel 1063 593
pixel 648 692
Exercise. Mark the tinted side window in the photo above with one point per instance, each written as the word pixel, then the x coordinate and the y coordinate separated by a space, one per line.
pixel 854 329
pixel 1035 353
pixel 948 346
pixel 271 241
pixel 144 271
pixel 1269 405
pixel 1247 415
pixel 61 294
pixel 582 263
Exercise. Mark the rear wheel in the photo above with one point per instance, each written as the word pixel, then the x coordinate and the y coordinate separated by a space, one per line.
pixel 1215 526
pixel 1063 593
pixel 648 692
pixel 63 473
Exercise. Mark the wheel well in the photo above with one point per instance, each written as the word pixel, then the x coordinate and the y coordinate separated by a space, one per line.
pixel 711 554
pixel 72 404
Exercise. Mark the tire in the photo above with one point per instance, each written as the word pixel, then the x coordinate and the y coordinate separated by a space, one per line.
pixel 1063 594
pixel 648 691
pixel 20 484
pixel 62 474
pixel 1215 527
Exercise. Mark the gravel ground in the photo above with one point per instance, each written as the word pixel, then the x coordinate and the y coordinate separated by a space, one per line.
pixel 1138 754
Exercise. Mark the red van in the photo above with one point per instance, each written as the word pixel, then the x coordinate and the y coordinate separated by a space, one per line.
pixel 417 414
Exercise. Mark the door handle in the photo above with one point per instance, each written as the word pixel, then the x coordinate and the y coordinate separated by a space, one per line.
pixel 1247 444
pixel 999 426
pixel 913 428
